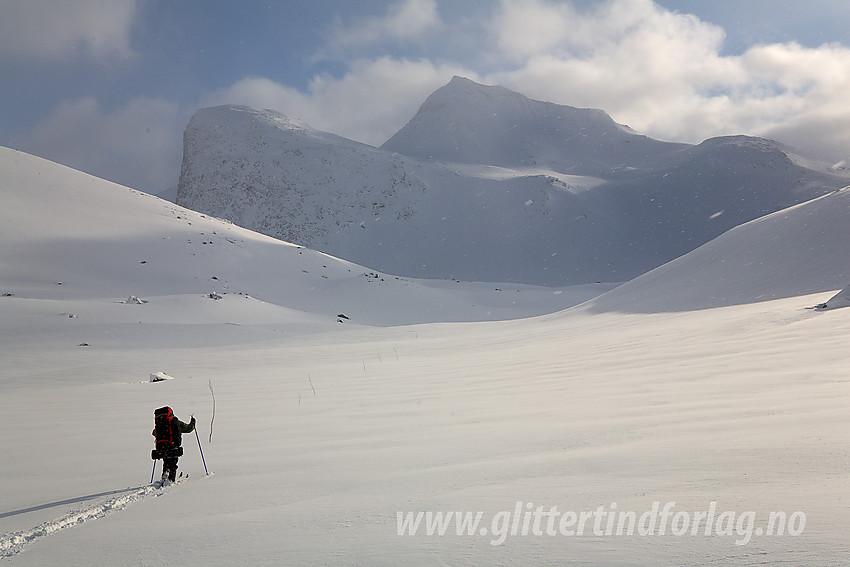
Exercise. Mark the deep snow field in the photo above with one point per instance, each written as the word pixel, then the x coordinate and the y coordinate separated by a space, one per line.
pixel 327 428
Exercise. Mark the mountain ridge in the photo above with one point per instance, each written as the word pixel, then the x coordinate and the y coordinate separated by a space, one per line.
pixel 573 140
pixel 544 203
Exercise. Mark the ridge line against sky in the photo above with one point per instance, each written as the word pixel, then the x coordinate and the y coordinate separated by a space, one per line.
pixel 107 86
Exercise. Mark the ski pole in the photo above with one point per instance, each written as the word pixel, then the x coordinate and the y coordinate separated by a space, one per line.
pixel 153 470
pixel 202 451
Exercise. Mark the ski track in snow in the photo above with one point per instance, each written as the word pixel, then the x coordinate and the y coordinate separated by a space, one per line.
pixel 12 544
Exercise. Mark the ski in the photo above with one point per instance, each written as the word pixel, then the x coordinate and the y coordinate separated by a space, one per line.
pixel 163 483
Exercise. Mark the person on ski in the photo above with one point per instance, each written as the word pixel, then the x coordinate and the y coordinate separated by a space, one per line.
pixel 168 432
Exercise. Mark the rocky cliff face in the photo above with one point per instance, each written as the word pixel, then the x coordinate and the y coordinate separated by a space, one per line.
pixel 280 177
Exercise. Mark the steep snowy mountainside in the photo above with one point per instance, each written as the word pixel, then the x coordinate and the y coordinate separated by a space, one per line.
pixel 710 188
pixel 466 122
pixel 278 176
pixel 75 249
pixel 562 196
pixel 797 251
pixel 396 214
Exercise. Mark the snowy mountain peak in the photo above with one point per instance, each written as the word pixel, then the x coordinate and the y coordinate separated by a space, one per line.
pixel 461 91
pixel 217 120
pixel 229 114
pixel 466 122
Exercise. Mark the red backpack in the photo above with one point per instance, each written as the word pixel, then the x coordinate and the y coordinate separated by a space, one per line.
pixel 165 429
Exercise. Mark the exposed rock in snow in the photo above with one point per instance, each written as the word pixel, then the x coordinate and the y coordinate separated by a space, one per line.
pixel 840 299
pixel 159 377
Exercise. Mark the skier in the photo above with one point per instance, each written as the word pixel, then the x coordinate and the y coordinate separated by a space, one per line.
pixel 168 432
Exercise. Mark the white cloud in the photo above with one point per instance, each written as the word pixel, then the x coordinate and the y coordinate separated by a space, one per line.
pixel 809 109
pixel 136 145
pixel 622 54
pixel 51 29
pixel 369 104
pixel 410 20
pixel 664 73
pixel 823 133
pixel 525 29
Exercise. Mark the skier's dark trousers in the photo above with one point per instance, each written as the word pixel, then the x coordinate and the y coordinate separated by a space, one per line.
pixel 167 431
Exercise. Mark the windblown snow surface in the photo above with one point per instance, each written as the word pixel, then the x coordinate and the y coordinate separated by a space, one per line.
pixel 709 384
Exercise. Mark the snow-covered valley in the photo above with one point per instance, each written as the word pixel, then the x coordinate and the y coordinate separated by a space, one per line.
pixel 711 379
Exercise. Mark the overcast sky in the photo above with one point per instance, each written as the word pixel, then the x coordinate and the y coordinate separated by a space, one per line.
pixel 107 86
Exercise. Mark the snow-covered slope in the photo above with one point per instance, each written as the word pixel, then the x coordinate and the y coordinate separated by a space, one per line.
pixel 712 188
pixel 796 251
pixel 75 244
pixel 545 194
pixel 326 434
